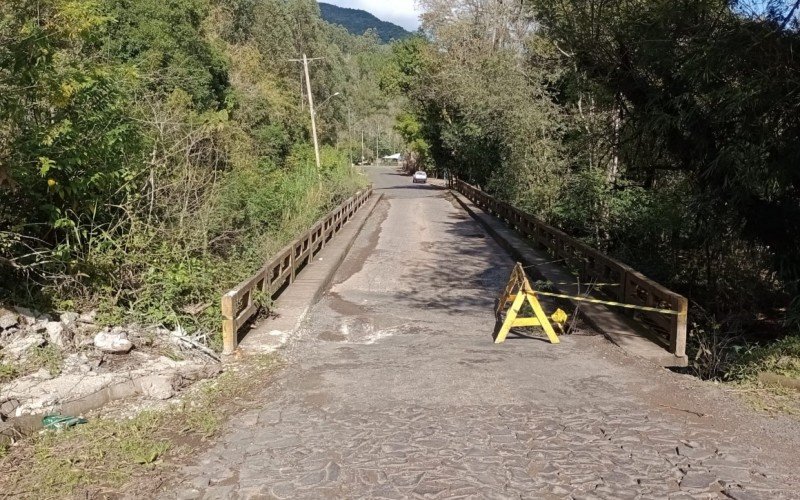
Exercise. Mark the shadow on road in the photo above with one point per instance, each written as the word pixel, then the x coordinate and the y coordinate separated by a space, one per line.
pixel 457 275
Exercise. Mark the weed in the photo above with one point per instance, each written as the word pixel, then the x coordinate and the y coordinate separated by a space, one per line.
pixel 719 352
pixel 713 346
pixel 8 372
pixel 203 420
pixel 770 399
pixel 781 357
pixel 49 357
pixel 172 354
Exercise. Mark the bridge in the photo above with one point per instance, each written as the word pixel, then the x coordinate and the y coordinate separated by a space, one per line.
pixel 393 387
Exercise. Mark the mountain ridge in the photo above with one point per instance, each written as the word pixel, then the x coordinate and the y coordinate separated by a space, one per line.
pixel 357 21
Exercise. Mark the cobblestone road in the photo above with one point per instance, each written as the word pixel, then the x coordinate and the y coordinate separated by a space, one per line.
pixel 394 389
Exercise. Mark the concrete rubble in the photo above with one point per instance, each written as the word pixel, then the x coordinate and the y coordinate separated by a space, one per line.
pixel 114 342
pixel 97 364
pixel 19 349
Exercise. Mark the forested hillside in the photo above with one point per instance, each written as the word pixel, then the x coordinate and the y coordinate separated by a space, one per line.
pixel 664 133
pixel 358 22
pixel 153 153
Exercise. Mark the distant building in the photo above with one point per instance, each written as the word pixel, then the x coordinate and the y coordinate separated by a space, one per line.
pixel 393 159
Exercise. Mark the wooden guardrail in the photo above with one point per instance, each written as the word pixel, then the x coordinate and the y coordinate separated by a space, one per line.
pixel 240 304
pixel 593 266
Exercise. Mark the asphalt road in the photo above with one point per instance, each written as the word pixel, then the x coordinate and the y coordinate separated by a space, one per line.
pixel 394 389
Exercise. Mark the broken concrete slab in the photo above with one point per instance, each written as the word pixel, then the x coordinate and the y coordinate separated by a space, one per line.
pixel 57 334
pixel 159 386
pixel 20 348
pixel 8 320
pixel 113 342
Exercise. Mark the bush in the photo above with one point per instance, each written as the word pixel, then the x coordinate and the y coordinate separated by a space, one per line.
pixel 781 357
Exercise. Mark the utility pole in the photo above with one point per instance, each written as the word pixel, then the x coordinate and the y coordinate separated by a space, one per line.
pixel 376 148
pixel 311 107
pixel 349 136
pixel 305 62
pixel 362 143
pixel 302 92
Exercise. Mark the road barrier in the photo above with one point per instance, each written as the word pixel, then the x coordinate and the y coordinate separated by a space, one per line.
pixel 631 287
pixel 241 303
pixel 517 292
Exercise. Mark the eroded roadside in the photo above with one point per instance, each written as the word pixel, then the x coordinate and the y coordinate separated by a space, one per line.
pixel 119 451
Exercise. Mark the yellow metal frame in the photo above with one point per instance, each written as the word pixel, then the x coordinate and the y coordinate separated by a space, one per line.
pixel 518 291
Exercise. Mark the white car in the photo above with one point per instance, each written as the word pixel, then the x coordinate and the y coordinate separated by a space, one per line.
pixel 420 176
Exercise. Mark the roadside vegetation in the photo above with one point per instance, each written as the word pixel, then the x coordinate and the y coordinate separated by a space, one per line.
pixel 666 134
pixel 153 154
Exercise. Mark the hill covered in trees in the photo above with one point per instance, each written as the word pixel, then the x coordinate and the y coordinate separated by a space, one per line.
pixel 358 22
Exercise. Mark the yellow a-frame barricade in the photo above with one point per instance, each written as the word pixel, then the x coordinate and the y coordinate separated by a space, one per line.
pixel 517 292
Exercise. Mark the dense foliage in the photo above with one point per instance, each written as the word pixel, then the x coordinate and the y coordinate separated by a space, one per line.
pixel 153 153
pixel 665 133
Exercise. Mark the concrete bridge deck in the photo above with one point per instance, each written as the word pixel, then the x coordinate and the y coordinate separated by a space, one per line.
pixel 394 389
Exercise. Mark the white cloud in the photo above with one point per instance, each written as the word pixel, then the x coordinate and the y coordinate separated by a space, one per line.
pixel 402 12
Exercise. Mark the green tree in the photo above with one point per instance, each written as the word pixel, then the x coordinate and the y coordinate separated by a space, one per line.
pixel 66 140
pixel 166 40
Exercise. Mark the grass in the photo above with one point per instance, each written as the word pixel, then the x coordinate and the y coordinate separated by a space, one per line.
pixel 49 357
pixel 8 372
pixel 724 354
pixel 770 399
pixel 782 358
pixel 101 452
pixel 104 454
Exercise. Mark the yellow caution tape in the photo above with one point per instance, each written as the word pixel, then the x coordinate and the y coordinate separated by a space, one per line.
pixel 588 283
pixel 607 302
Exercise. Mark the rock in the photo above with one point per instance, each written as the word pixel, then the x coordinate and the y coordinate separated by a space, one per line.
pixel 20 348
pixel 38 405
pixel 158 386
pixel 113 342
pixel 202 372
pixel 8 406
pixel 43 374
pixel 8 320
pixel 8 332
pixel 69 318
pixel 88 318
pixel 38 327
pixel 27 316
pixel 78 363
pixel 57 334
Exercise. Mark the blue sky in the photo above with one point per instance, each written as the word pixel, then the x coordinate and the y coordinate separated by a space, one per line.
pixel 402 12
